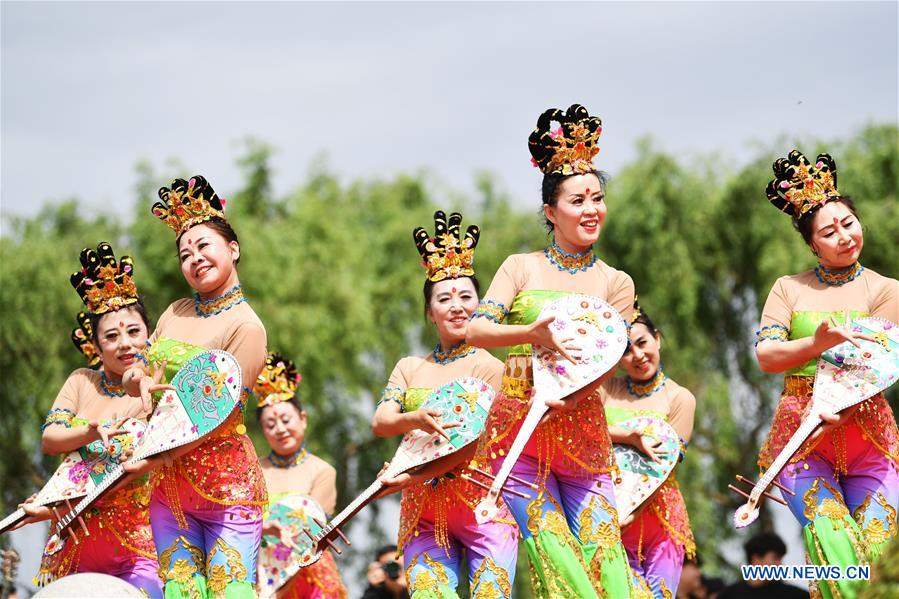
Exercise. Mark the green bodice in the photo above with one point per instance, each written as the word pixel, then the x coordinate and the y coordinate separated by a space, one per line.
pixel 615 415
pixel 804 323
pixel 414 397
pixel 526 308
pixel 173 352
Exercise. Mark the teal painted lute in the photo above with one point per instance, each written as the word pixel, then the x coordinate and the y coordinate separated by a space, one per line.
pixel 207 389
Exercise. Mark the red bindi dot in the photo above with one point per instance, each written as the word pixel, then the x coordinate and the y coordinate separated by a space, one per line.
pixel 190 242
pixel 588 191
pixel 121 324
pixel 454 290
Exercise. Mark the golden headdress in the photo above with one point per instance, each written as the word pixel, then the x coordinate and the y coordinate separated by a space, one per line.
pixel 103 284
pixel 82 338
pixel 188 203
pixel 570 148
pixel 446 255
pixel 278 380
pixel 799 186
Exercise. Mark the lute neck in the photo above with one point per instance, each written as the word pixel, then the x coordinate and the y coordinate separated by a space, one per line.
pixel 798 438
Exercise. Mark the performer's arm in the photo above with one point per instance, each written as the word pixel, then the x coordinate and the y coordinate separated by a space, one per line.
pixel 59 436
pixel 780 356
pixel 775 351
pixel 645 445
pixel 324 488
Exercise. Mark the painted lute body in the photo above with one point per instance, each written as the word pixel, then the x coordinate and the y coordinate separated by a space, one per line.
pixel 297 513
pixel 207 389
pixel 639 475
pixel 845 376
pixel 81 471
pixel 598 329
pixel 465 400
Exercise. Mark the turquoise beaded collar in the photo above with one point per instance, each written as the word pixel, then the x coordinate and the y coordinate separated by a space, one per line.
pixel 571 263
pixel 838 276
pixel 647 388
pixel 109 388
pixel 455 353
pixel 278 461
pixel 211 307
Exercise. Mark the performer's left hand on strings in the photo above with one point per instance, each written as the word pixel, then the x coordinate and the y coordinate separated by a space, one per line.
pixel 830 421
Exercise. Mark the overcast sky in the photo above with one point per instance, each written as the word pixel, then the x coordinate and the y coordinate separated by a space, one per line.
pixel 89 89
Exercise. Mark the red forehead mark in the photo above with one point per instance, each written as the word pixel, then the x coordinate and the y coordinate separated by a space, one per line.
pixel 190 242
pixel 121 324
pixel 588 191
pixel 454 290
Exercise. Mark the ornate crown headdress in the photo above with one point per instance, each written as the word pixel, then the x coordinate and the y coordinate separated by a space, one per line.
pixel 278 380
pixel 799 186
pixel 446 255
pixel 568 149
pixel 82 338
pixel 188 203
pixel 103 284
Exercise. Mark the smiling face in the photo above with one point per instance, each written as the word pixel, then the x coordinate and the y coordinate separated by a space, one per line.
pixel 207 259
pixel 120 335
pixel 579 213
pixel 284 427
pixel 641 359
pixel 452 302
pixel 837 236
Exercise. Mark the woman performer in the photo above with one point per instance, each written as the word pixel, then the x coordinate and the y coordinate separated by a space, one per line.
pixel 290 469
pixel 437 521
pixel 88 412
pixel 208 496
pixel 845 475
pixel 659 535
pixel 571 528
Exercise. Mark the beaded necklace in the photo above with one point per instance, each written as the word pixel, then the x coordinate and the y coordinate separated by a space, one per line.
pixel 649 387
pixel 211 307
pixel 109 388
pixel 460 351
pixel 290 461
pixel 838 276
pixel 571 263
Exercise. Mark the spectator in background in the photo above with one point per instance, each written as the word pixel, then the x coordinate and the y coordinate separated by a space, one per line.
pixel 690 585
pixel 712 587
pixel 765 549
pixel 386 578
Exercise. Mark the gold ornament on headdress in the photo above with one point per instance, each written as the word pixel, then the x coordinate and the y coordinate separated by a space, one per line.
pixel 637 313
pixel 446 255
pixel 277 382
pixel 188 203
pixel 568 149
pixel 103 284
pixel 799 186
pixel 82 338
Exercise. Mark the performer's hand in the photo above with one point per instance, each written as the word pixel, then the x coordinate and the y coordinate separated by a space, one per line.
pixel 141 467
pixel 98 431
pixel 150 385
pixel 648 446
pixel 830 421
pixel 429 421
pixel 542 334
pixel 829 334
pixel 566 404
pixel 276 529
pixel 34 513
